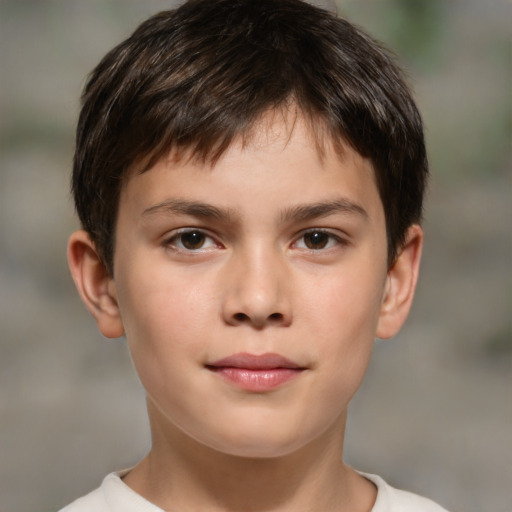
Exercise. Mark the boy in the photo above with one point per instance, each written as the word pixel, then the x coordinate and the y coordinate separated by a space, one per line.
pixel 249 175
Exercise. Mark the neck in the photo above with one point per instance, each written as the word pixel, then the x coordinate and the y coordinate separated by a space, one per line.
pixel 181 474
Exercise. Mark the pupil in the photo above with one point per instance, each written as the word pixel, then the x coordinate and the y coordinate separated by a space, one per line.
pixel 192 239
pixel 316 240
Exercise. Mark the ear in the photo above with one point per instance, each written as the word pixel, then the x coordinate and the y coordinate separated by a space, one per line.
pixel 400 285
pixel 94 283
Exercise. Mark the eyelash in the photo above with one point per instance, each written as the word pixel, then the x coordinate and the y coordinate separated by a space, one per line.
pixel 176 241
pixel 332 239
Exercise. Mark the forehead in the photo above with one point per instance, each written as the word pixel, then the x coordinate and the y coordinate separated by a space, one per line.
pixel 272 127
pixel 283 163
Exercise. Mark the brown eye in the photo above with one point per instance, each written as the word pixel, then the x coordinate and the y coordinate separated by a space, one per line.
pixel 316 240
pixel 192 240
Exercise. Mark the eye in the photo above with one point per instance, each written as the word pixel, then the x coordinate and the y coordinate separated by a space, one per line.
pixel 317 239
pixel 191 240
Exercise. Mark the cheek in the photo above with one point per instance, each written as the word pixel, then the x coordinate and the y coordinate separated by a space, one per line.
pixel 347 306
pixel 165 317
pixel 161 297
pixel 166 337
pixel 343 322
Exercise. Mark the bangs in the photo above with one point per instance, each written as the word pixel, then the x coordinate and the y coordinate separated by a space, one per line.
pixel 208 150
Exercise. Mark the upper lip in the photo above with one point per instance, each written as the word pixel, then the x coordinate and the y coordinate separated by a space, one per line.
pixel 247 361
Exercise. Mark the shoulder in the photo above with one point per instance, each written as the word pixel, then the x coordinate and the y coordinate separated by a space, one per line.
pixel 112 496
pixel 92 501
pixel 390 499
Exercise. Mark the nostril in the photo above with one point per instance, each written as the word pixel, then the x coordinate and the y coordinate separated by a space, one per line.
pixel 241 317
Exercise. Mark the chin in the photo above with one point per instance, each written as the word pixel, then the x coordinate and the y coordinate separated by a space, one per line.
pixel 262 450
pixel 257 443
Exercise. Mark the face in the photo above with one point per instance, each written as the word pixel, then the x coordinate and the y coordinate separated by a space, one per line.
pixel 251 291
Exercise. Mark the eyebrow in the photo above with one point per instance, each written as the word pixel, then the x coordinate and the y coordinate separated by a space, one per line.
pixel 297 213
pixel 192 208
pixel 322 209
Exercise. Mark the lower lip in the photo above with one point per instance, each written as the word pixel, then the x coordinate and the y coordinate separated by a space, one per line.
pixel 257 380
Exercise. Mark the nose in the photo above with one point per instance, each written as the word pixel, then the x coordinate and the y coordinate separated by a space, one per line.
pixel 258 290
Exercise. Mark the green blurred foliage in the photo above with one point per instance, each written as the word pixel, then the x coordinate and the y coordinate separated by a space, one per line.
pixel 415 27
pixel 412 28
pixel 458 60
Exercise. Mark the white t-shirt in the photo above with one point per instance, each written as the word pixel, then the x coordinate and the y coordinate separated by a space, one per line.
pixel 115 496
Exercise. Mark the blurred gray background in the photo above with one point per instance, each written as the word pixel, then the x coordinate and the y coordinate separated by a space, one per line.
pixel 435 412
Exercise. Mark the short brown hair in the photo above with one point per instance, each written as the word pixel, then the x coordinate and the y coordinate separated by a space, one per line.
pixel 197 77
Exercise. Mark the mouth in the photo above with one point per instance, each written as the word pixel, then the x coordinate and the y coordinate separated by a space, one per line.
pixel 256 373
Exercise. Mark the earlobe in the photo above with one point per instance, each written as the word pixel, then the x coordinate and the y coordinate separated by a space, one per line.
pixel 400 285
pixel 94 284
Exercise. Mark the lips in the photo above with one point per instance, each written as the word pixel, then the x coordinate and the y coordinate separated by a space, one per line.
pixel 256 373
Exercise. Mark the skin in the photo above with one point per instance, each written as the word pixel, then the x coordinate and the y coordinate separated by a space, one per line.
pixel 266 270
